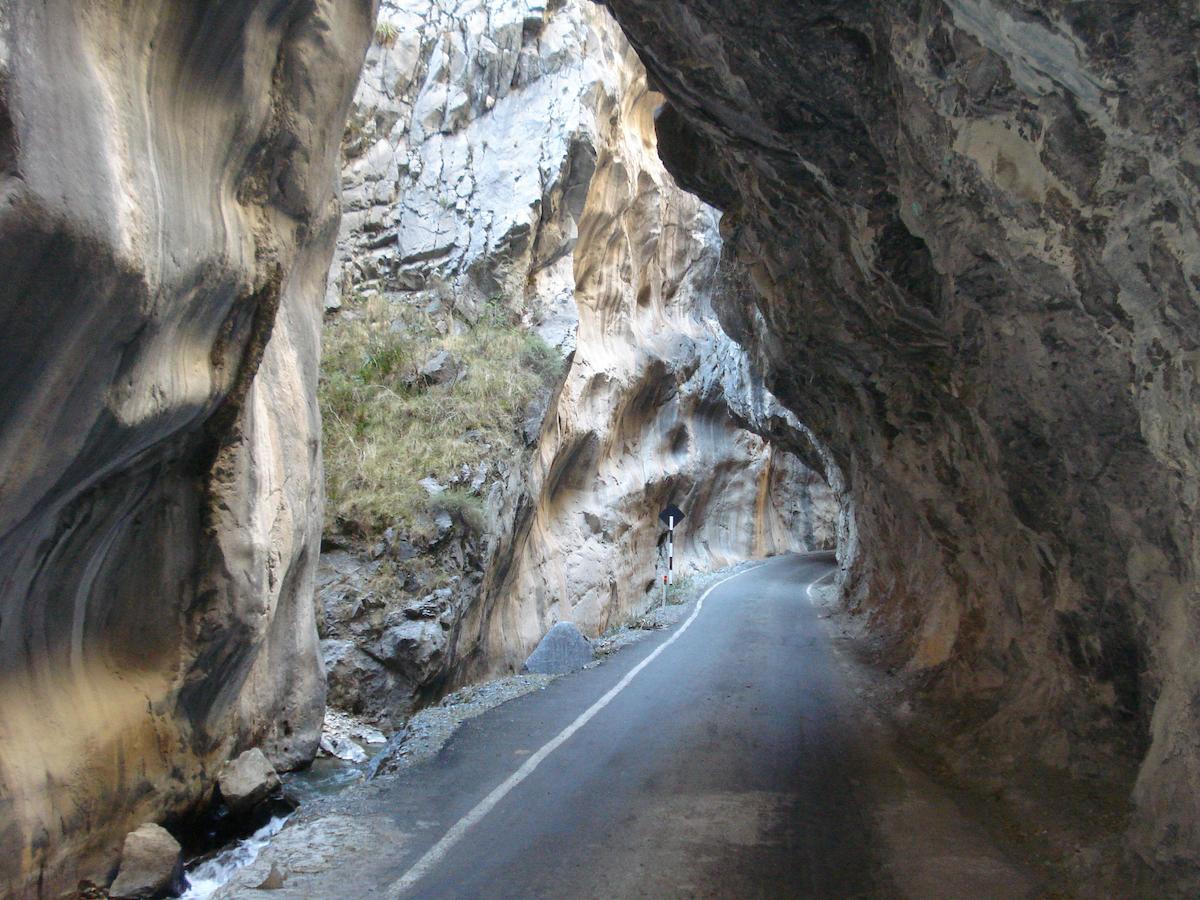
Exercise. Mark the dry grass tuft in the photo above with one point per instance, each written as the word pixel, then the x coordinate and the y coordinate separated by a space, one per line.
pixel 386 34
pixel 383 432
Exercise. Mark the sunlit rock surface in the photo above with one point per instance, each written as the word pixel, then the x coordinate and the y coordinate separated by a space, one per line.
pixel 651 412
pixel 167 211
pixel 504 153
pixel 972 227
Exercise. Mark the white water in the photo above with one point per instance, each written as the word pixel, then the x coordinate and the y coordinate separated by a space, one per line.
pixel 204 880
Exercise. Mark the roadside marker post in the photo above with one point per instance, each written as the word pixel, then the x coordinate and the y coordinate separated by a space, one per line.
pixel 669 517
pixel 671 551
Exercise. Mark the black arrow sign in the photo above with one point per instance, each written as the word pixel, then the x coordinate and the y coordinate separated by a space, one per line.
pixel 671 512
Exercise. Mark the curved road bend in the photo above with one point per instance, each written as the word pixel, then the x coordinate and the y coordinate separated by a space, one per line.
pixel 736 763
pixel 722 769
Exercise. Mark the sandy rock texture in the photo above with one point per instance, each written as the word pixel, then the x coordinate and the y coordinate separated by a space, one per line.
pixel 502 154
pixel 972 230
pixel 168 206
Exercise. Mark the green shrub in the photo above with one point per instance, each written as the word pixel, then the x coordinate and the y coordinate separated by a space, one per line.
pixel 540 358
pixel 386 34
pixel 464 506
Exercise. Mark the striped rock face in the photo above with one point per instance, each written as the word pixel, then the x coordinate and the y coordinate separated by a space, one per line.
pixel 168 205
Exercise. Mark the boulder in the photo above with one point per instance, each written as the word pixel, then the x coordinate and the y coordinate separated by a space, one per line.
pixel 343 748
pixel 358 682
pixel 151 864
pixel 247 780
pixel 563 649
pixel 415 648
pixel 441 368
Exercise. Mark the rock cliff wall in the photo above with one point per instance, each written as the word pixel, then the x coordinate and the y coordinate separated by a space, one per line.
pixel 502 164
pixel 972 227
pixel 659 406
pixel 167 211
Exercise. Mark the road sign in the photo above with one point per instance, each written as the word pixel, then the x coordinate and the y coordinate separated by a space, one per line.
pixel 671 516
pixel 671 512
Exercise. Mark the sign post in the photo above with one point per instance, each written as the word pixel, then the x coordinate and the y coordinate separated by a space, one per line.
pixel 669 517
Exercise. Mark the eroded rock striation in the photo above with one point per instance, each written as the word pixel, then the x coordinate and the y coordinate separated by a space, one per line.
pixel 972 229
pixel 168 207
pixel 659 406
pixel 501 163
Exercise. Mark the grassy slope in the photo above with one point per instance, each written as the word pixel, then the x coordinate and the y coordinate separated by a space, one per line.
pixel 384 432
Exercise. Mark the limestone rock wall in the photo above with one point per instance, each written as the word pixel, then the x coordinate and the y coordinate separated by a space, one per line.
pixel 167 210
pixel 470 146
pixel 658 406
pixel 972 228
pixel 503 154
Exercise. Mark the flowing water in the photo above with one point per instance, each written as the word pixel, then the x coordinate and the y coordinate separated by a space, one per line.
pixel 326 777
pixel 209 874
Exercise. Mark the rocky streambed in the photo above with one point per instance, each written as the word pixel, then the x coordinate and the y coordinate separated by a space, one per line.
pixel 352 752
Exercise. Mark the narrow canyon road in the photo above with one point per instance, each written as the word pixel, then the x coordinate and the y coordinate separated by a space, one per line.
pixel 736 763
pixel 722 768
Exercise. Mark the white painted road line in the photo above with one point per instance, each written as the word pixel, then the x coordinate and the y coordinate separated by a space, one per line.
pixel 435 853
pixel 817 583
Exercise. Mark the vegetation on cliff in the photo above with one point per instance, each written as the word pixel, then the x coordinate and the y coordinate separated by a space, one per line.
pixel 387 426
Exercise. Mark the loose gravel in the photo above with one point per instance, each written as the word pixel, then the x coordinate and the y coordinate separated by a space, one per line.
pixel 427 732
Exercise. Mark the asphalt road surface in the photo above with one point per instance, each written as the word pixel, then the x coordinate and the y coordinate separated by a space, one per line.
pixel 723 768
pixel 729 756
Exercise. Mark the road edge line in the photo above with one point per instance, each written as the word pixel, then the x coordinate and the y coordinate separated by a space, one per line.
pixel 435 853
pixel 813 584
